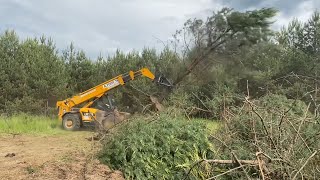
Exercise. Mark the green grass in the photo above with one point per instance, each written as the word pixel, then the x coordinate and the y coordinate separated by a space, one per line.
pixel 212 125
pixel 28 124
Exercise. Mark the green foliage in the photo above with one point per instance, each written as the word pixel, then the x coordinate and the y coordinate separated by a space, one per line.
pixel 161 149
pixel 302 36
pixel 248 58
pixel 33 74
pixel 24 123
pixel 80 70
pixel 227 29
pixel 167 62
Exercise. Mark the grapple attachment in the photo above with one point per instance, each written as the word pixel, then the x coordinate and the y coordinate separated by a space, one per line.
pixel 161 80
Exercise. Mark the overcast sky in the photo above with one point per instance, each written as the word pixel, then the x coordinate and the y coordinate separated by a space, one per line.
pixel 102 26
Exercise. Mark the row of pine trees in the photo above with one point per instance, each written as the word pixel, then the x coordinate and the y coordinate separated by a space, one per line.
pixel 246 56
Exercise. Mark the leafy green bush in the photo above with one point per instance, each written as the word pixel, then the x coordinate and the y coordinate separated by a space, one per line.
pixel 161 149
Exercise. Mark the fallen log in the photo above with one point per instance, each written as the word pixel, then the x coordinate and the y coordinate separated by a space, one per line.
pixel 218 161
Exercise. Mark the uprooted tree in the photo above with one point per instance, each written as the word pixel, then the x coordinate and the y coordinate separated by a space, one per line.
pixel 222 32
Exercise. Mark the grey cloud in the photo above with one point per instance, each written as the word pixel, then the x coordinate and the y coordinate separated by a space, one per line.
pixel 99 26
pixel 242 4
pixel 103 26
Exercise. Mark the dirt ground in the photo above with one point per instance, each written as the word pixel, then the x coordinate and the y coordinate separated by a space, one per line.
pixel 63 156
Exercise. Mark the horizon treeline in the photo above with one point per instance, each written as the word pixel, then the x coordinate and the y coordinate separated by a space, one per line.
pixel 239 53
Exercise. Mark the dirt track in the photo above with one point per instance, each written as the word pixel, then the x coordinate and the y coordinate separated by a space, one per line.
pixel 67 156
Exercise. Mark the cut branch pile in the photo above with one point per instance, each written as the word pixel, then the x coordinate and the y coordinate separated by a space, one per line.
pixel 275 138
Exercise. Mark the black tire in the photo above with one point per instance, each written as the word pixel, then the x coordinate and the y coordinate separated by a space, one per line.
pixel 71 122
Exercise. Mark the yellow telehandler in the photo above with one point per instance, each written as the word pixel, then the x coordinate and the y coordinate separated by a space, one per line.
pixel 98 105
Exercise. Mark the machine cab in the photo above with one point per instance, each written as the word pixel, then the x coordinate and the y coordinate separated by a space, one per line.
pixel 104 103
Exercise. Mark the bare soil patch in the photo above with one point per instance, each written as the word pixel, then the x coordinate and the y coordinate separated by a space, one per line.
pixel 63 156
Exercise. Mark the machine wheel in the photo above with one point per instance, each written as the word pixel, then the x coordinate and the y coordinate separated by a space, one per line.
pixel 71 122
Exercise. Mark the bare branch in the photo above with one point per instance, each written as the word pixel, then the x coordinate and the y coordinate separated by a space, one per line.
pixel 200 58
pixel 193 166
pixel 200 101
pixel 298 132
pixel 239 162
pixel 263 124
pixel 305 163
pixel 260 165
pixel 214 177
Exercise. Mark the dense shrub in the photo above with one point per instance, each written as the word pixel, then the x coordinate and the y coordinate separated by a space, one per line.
pixel 161 149
pixel 279 127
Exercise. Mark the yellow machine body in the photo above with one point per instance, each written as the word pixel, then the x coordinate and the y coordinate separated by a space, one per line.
pixel 86 113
